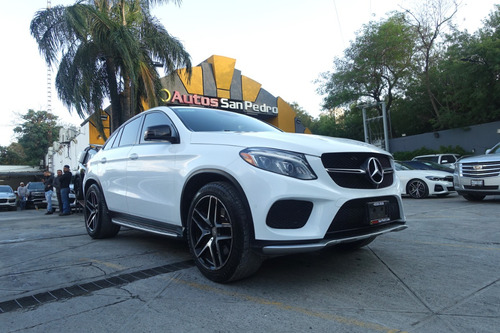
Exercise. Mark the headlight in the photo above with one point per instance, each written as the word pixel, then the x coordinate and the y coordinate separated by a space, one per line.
pixel 279 161
pixel 436 179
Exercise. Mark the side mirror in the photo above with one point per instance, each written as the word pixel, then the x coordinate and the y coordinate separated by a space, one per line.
pixel 160 133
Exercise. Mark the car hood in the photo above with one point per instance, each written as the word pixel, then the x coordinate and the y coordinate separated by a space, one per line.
pixel 6 195
pixel 303 143
pixel 424 173
pixel 481 158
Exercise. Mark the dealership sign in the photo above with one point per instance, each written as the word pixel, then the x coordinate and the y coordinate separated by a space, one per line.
pixel 219 103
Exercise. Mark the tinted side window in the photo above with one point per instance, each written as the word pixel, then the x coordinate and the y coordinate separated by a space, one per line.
pixel 154 119
pixel 129 135
pixel 117 138
pixel 109 142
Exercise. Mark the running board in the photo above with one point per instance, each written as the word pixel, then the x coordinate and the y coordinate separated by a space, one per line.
pixel 156 227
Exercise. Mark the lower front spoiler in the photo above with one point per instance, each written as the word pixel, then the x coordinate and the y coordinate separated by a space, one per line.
pixel 284 249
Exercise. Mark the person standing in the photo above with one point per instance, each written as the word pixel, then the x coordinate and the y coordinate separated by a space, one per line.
pixel 22 192
pixel 49 188
pixel 57 185
pixel 64 182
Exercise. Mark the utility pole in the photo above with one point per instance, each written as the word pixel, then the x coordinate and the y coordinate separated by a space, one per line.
pixel 49 77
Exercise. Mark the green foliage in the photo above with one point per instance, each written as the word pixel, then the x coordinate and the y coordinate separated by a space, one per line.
pixel 12 155
pixel 384 63
pixel 408 155
pixel 108 49
pixel 36 134
pixel 375 67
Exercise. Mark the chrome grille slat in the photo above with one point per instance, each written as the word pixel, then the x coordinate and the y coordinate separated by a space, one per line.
pixel 487 169
pixel 348 170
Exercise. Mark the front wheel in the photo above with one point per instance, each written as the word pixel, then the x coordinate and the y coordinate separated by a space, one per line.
pixel 219 233
pixel 97 220
pixel 417 189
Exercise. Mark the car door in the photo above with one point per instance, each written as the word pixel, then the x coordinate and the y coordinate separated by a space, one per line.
pixel 112 166
pixel 150 174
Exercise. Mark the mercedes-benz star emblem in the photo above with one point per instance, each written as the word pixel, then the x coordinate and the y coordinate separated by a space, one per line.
pixel 375 171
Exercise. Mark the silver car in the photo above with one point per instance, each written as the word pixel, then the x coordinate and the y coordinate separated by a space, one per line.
pixel 7 197
pixel 478 176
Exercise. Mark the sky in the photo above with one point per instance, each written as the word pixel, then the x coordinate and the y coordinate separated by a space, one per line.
pixel 283 44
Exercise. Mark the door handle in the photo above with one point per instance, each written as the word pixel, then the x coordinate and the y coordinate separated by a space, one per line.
pixel 133 156
pixel 103 160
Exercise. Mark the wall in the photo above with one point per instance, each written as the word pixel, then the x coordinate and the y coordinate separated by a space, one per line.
pixel 67 150
pixel 474 139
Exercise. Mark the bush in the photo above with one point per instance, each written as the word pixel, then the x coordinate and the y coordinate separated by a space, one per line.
pixel 408 155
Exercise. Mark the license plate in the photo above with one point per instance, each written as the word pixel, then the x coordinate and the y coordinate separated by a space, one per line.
pixel 477 182
pixel 378 212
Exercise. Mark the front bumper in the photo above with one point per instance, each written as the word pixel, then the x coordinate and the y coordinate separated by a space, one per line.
pixel 283 249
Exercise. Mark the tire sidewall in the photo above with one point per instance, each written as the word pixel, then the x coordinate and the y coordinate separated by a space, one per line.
pixel 426 190
pixel 240 229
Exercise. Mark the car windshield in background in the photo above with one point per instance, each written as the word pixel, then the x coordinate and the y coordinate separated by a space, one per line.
pixel 495 150
pixel 36 186
pixel 5 189
pixel 210 120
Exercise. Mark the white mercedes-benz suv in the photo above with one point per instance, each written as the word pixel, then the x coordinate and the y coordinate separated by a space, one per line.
pixel 238 189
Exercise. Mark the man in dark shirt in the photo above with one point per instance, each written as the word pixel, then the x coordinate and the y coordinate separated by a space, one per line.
pixel 64 182
pixel 57 185
pixel 48 181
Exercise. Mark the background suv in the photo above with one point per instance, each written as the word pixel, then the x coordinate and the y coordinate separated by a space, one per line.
pixel 478 176
pixel 35 194
pixel 447 160
pixel 8 198
pixel 239 189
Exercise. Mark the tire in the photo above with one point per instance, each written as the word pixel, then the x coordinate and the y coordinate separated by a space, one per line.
pixel 97 220
pixel 219 230
pixel 77 183
pixel 352 246
pixel 417 189
pixel 473 197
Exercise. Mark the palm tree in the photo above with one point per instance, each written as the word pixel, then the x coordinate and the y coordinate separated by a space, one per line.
pixel 107 49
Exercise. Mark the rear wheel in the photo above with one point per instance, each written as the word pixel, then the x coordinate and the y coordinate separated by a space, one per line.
pixel 219 233
pixel 417 189
pixel 474 197
pixel 97 220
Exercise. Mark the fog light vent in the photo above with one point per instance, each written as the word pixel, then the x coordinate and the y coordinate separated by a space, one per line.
pixel 289 214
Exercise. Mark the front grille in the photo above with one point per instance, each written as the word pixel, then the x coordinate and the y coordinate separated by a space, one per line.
pixel 349 169
pixel 487 187
pixel 3 200
pixel 480 170
pixel 353 216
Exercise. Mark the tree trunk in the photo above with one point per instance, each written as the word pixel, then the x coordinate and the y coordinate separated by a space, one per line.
pixel 116 109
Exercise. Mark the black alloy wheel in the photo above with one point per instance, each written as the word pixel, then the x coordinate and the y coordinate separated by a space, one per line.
pixel 417 189
pixel 97 220
pixel 219 234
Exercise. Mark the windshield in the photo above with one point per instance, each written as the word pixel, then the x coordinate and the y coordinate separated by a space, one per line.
pixel 5 189
pixel 211 120
pixel 400 167
pixel 495 150
pixel 35 186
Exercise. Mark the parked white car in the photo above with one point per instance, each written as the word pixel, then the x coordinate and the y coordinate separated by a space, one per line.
pixel 420 184
pixel 239 189
pixel 478 176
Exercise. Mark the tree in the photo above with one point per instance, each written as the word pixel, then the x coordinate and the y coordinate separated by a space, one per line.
pixel 428 20
pixel 12 154
pixel 376 67
pixel 108 49
pixel 36 134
